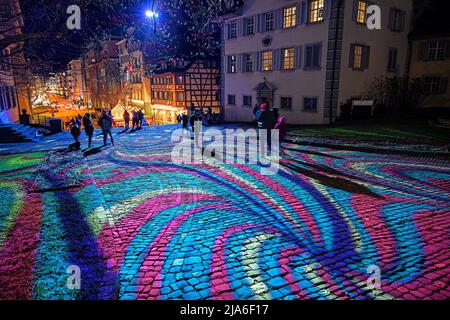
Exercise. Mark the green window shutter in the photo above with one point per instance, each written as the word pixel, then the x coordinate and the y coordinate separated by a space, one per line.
pixel 366 57
pixel 422 51
pixel 279 18
pixel 258 61
pixel 304 13
pixel 351 62
pixel 327 9
pixel 355 10
pixel 447 49
pixel 276 59
pixel 443 86
pixel 259 19
pixel 298 57
pixel 391 19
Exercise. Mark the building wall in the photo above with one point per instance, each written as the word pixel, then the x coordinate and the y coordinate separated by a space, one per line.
pixel 423 67
pixel 296 84
pixel 356 83
pixel 14 93
pixel 319 82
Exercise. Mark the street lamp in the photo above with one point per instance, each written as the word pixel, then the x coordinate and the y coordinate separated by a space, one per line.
pixel 151 14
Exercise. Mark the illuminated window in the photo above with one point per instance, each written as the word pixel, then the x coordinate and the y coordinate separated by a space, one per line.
pixel 362 11
pixel 316 10
pixel 288 58
pixel 289 17
pixel 357 64
pixel 267 60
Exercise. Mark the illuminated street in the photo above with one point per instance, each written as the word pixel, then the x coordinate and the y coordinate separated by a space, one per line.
pixel 141 227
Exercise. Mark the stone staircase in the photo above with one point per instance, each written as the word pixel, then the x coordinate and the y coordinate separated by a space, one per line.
pixel 14 133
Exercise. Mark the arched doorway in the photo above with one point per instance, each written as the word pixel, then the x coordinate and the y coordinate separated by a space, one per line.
pixel 265 93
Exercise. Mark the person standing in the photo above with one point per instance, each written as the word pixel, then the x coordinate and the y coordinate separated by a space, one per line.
pixel 75 132
pixel 24 118
pixel 267 121
pixel 88 127
pixel 126 119
pixel 184 120
pixel 134 120
pixel 105 122
pixel 140 118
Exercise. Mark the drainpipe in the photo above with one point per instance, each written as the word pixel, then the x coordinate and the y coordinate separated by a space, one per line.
pixel 336 36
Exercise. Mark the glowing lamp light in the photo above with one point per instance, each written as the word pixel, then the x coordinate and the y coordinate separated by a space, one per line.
pixel 151 14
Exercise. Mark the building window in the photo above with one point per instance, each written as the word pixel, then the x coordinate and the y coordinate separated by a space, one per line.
pixel 358 54
pixel 232 64
pixel 248 63
pixel 286 103
pixel 316 11
pixel 269 21
pixel 247 101
pixel 361 12
pixel 231 99
pixel 433 84
pixel 289 17
pixel 288 58
pixel 310 104
pixel 180 96
pixel 359 57
pixel 392 59
pixel 436 50
pixel 232 30
pixel 267 60
pixel 313 56
pixel 249 26
pixel 396 20
pixel 179 80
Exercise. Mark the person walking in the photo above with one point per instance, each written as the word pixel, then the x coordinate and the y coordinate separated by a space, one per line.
pixel 88 127
pixel 126 119
pixel 105 122
pixel 140 118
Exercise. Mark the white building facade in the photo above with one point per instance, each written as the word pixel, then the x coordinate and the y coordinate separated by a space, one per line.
pixel 308 57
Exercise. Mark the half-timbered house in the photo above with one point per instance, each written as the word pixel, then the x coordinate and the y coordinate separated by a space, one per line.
pixel 179 84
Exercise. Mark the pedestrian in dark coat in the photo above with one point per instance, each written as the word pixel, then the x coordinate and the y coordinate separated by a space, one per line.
pixel 75 132
pixel 267 121
pixel 88 127
pixel 105 122
pixel 126 119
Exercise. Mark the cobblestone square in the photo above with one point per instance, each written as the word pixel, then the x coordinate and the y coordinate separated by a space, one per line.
pixel 142 227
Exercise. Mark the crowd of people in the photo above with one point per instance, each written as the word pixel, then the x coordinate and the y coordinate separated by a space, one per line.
pixel 207 117
pixel 105 122
pixel 265 117
pixel 136 117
